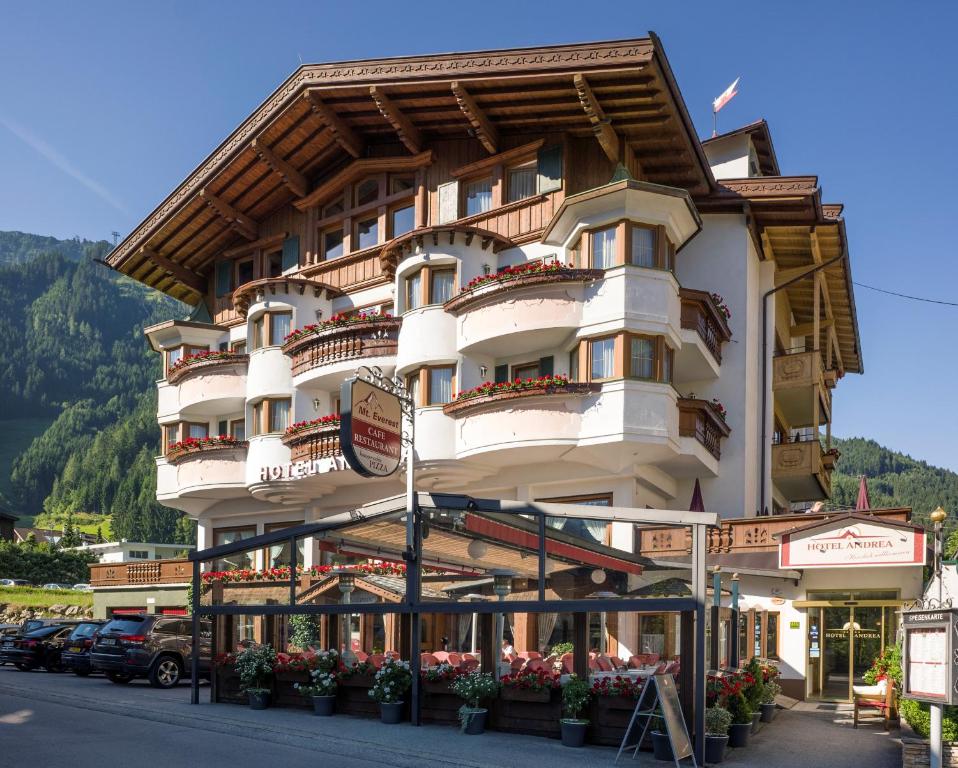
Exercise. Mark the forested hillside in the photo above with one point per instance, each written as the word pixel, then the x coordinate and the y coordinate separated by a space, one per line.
pixel 77 395
pixel 894 479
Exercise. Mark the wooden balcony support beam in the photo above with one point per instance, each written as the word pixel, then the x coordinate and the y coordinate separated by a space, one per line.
pixel 292 178
pixel 601 125
pixel 237 221
pixel 807 329
pixel 408 133
pixel 485 131
pixel 186 276
pixel 345 136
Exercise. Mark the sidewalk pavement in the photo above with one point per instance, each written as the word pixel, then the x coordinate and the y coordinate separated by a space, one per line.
pixel 800 738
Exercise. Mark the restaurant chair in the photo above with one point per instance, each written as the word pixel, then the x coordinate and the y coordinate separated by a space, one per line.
pixel 392 654
pixel 469 657
pixel 604 662
pixel 618 663
pixel 469 665
pixel 360 656
pixel 661 668
pixel 567 663
pixel 538 665
pixel 516 665
pixel 454 658
pixel 880 697
pixel 635 662
pixel 377 660
pixel 428 660
pixel 594 666
pixel 529 655
pixel 441 656
pixel 653 658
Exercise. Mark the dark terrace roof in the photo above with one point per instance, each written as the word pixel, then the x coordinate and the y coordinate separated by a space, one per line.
pixel 325 114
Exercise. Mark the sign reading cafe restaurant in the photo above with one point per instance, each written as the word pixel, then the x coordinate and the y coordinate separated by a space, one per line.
pixel 370 432
pixel 852 541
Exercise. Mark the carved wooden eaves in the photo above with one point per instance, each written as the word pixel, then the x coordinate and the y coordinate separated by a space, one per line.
pixel 345 136
pixel 601 125
pixel 239 222
pixel 485 131
pixel 408 133
pixel 186 276
pixel 292 178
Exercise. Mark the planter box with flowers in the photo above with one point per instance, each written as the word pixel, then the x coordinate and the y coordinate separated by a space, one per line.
pixel 293 670
pixel 202 446
pixel 440 704
pixel 610 708
pixel 227 687
pixel 515 277
pixel 316 439
pixel 352 695
pixel 490 392
pixel 530 703
pixel 342 337
pixel 203 362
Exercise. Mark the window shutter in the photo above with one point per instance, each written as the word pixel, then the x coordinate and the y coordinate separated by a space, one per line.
pixel 546 366
pixel 448 202
pixel 224 271
pixel 223 428
pixel 290 252
pixel 549 175
pixel 502 374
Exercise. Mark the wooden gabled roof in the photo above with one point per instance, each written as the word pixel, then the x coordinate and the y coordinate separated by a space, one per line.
pixel 761 140
pixel 792 225
pixel 326 115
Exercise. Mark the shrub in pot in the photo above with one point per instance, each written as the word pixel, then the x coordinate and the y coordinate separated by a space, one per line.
pixel 255 667
pixel 392 681
pixel 474 688
pixel 575 696
pixel 322 691
pixel 754 688
pixel 717 722
pixel 741 720
pixel 772 689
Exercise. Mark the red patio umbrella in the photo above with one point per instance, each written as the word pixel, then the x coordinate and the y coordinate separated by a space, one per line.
pixel 698 503
pixel 863 504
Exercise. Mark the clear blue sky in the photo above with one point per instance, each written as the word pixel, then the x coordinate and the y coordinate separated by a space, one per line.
pixel 105 107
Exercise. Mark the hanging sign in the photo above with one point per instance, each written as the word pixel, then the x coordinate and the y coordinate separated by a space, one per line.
pixel 929 662
pixel 845 543
pixel 370 429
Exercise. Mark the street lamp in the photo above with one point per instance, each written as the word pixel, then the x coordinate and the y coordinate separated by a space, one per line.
pixel 501 586
pixel 938 517
pixel 347 583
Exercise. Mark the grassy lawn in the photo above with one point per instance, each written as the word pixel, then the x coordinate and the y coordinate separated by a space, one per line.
pixel 34 597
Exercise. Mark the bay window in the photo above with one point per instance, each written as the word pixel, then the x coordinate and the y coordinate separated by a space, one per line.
pixel 602 354
pixel 642 357
pixel 623 355
pixel 643 251
pixel 441 283
pixel 271 329
pixel 432 385
pixel 270 416
pixel 414 298
pixel 197 431
pixel 603 248
pixel 430 285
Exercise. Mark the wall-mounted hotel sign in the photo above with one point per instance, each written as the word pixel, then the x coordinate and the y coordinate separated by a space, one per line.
pixel 370 429
pixel 851 541
pixel 929 664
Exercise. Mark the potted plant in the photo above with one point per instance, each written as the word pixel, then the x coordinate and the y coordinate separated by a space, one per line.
pixel 392 681
pixel 772 689
pixel 741 720
pixel 255 666
pixel 575 696
pixel 662 746
pixel 322 691
pixel 717 722
pixel 474 688
pixel 753 688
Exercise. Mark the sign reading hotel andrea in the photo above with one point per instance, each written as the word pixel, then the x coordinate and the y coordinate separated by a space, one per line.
pixel 370 429
pixel 852 541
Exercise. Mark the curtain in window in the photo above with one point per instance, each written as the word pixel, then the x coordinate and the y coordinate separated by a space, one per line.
pixel 596 529
pixel 258 333
pixel 522 183
pixel 643 358
pixel 556 522
pixel 239 430
pixel 463 639
pixel 278 415
pixel 643 247
pixel 238 559
pixel 174 354
pixel 547 623
pixel 414 291
pixel 603 359
pixel 603 248
pixel 667 366
pixel 441 289
pixel 279 327
pixel 478 197
pixel 440 385
pixel 412 383
pixel 199 430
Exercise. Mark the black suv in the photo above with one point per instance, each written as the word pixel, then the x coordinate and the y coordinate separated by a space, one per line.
pixel 155 647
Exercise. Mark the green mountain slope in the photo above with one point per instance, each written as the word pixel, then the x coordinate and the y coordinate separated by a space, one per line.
pixel 894 479
pixel 77 395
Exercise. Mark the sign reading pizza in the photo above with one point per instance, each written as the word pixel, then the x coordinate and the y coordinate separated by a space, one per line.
pixel 370 430
pixel 852 541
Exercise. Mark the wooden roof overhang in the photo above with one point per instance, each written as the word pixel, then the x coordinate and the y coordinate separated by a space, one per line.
pixel 790 224
pixel 326 115
pixel 761 140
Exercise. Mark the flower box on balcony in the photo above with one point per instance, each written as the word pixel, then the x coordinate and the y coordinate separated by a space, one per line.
pixel 202 446
pixel 339 340
pixel 284 690
pixel 538 717
pixel 515 277
pixel 203 362
pixel 513 390
pixel 352 695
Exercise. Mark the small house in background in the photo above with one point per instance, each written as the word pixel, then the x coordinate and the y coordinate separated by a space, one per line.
pixel 125 551
pixel 47 535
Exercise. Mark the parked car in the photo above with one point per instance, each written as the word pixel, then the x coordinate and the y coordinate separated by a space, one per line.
pixel 155 647
pixel 53 585
pixel 40 648
pixel 76 649
pixel 9 639
pixel 15 583
pixel 83 587
pixel 7 630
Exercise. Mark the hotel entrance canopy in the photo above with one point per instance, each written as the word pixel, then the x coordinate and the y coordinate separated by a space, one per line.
pixel 463 554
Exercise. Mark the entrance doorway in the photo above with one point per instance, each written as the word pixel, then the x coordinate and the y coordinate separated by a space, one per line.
pixel 843 641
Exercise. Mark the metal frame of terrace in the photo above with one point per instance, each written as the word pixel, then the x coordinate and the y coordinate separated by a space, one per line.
pixel 692 608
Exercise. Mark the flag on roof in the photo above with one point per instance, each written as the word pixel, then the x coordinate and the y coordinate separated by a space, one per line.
pixel 726 96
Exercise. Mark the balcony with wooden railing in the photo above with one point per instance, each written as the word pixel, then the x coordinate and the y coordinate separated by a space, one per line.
pixel 802 469
pixel 703 421
pixel 739 536
pixel 802 395
pixel 318 441
pixel 140 573
pixel 372 337
pixel 703 314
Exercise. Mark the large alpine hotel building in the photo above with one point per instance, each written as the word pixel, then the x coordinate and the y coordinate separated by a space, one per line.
pixel 463 219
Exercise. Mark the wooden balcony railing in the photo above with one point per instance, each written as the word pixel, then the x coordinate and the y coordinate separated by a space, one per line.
pixel 700 313
pixel 370 338
pixel 796 370
pixel 319 442
pixel 743 535
pixel 512 397
pixel 212 362
pixel 803 469
pixel 140 572
pixel 702 420
pixel 206 448
pixel 495 286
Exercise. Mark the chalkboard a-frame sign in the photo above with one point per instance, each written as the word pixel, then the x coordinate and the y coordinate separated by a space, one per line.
pixel 659 701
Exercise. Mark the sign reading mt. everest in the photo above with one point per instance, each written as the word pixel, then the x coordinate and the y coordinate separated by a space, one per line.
pixel 852 541
pixel 370 431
